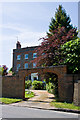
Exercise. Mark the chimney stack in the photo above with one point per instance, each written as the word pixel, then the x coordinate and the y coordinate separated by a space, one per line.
pixel 18 45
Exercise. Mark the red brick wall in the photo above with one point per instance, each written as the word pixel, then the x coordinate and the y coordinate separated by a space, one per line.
pixel 13 87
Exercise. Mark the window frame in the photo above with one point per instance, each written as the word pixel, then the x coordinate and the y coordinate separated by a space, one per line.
pixel 26 67
pixel 34 56
pixel 18 66
pixel 34 66
pixel 18 58
pixel 25 56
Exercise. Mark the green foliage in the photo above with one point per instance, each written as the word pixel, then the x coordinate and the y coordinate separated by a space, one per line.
pixel 9 100
pixel 52 83
pixel 65 105
pixel 10 69
pixel 61 20
pixel 29 94
pixel 38 85
pixel 52 88
pixel 71 52
pixel 3 70
pixel 28 84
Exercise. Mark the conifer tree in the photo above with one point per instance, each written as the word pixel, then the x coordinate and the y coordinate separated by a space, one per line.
pixel 61 20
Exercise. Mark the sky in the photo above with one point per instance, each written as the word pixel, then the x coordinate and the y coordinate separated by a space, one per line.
pixel 27 22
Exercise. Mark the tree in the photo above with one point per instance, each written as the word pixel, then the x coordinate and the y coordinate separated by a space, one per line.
pixel 3 70
pixel 61 20
pixel 71 55
pixel 49 52
pixel 60 31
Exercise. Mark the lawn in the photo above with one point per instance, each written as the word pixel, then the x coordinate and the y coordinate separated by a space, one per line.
pixel 9 100
pixel 65 105
pixel 28 94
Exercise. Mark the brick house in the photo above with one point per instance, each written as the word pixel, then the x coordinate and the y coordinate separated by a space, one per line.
pixel 22 58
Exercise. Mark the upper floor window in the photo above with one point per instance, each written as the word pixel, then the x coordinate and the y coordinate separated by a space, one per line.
pixel 34 55
pixel 18 57
pixel 26 65
pixel 18 66
pixel 26 56
pixel 34 65
pixel 43 53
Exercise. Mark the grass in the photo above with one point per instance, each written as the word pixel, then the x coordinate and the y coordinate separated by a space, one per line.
pixel 9 100
pixel 28 94
pixel 65 105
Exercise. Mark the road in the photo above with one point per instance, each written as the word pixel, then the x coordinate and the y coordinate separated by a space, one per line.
pixel 9 111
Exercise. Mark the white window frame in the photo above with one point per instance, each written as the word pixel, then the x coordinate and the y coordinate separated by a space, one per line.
pixel 26 57
pixel 25 65
pixel 34 66
pixel 18 57
pixel 34 55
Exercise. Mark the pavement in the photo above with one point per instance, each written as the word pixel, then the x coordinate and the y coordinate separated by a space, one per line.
pixel 41 100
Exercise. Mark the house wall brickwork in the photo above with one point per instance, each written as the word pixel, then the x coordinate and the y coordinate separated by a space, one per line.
pixel 22 61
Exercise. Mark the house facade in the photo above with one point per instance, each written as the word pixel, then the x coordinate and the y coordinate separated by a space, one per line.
pixel 22 59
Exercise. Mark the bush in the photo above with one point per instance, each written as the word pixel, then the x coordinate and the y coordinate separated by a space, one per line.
pixel 51 88
pixel 28 84
pixel 38 85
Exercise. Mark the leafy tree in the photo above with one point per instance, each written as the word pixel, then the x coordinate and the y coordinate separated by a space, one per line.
pixel 3 70
pixel 71 55
pixel 61 20
pixel 49 51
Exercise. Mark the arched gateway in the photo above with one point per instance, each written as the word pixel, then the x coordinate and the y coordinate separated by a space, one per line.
pixel 60 71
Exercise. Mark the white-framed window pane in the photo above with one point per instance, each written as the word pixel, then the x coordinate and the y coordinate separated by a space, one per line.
pixel 26 56
pixel 34 55
pixel 26 65
pixel 34 65
pixel 18 66
pixel 18 57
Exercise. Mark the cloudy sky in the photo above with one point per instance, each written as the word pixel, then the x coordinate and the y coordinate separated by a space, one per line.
pixel 28 21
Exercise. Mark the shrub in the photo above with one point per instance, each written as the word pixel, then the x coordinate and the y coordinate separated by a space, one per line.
pixel 38 85
pixel 28 84
pixel 51 88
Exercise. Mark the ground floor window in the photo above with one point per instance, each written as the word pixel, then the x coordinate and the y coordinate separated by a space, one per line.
pixel 26 65
pixel 18 66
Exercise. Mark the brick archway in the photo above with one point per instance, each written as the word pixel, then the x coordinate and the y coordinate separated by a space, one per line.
pixel 60 71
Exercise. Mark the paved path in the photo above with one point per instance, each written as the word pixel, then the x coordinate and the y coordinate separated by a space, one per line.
pixel 41 99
